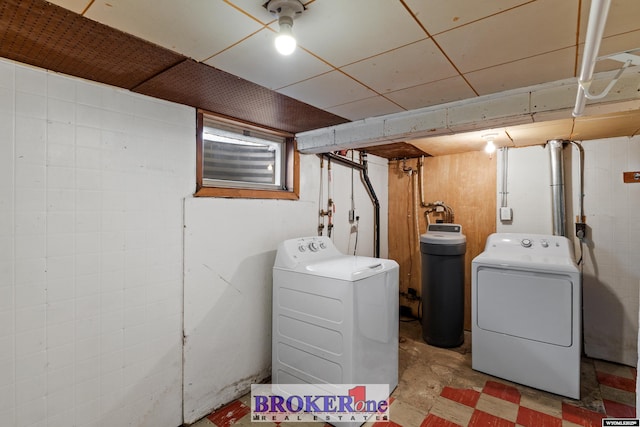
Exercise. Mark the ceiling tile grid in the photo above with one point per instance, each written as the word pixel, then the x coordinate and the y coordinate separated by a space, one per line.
pixel 439 16
pixel 254 59
pixel 368 107
pixel 533 70
pixel 410 65
pixel 512 36
pixel 383 46
pixel 198 29
pixel 434 93
pixel 356 58
pixel 343 32
pixel 328 90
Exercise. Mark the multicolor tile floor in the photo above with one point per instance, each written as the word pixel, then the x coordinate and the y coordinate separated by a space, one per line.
pixel 438 388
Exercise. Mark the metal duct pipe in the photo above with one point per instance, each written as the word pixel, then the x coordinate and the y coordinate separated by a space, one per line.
pixel 557 187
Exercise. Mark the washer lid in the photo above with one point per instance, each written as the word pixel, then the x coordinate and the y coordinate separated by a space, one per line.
pixel 443 234
pixel 350 268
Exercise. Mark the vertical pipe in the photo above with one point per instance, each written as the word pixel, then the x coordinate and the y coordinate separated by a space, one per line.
pixel 557 187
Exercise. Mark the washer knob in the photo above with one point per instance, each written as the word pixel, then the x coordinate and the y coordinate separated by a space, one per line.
pixel 544 243
pixel 526 243
pixel 313 247
pixel 302 248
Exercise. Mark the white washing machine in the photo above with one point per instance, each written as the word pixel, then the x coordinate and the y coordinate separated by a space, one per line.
pixel 526 312
pixel 335 316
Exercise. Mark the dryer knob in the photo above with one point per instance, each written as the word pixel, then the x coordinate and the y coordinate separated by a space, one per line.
pixel 526 243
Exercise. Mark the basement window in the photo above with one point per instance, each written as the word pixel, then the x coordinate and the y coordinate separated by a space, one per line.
pixel 245 161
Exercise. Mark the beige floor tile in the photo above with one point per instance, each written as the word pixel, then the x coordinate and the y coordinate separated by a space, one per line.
pixel 405 414
pixel 617 395
pixel 452 411
pixel 613 369
pixel 542 403
pixel 498 407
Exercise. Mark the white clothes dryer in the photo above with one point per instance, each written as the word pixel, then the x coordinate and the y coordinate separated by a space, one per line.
pixel 526 312
pixel 335 316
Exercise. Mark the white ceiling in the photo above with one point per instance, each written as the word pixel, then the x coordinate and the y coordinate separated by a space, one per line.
pixel 365 58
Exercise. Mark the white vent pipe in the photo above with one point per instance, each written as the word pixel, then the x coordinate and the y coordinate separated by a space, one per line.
pixel 595 29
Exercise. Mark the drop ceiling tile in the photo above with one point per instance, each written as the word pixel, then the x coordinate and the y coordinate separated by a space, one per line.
pixel 198 31
pixel 520 33
pixel 530 71
pixel 369 107
pixel 440 92
pixel 622 18
pixel 342 32
pixel 411 65
pixel 76 6
pixel 255 9
pixel 328 90
pixel 255 59
pixel 438 16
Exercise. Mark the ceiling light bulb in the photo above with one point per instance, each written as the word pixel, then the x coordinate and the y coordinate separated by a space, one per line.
pixel 285 42
pixel 490 147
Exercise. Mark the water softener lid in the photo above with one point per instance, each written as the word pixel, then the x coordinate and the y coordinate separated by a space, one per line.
pixel 443 234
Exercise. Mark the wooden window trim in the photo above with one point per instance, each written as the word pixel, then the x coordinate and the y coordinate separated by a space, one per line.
pixel 292 160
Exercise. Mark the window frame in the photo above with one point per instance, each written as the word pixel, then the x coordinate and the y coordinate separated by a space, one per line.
pixel 291 163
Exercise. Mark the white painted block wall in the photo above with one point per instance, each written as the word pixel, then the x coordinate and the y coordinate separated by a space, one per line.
pixel 95 189
pixel 611 274
pixel 92 181
pixel 230 247
pixel 611 271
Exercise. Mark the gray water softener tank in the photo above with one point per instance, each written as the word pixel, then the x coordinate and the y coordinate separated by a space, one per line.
pixel 443 247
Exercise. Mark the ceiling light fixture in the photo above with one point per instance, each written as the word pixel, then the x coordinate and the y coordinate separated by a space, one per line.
pixel 490 148
pixel 286 11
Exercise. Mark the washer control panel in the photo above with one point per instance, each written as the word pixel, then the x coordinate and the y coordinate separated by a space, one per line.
pixel 304 250
pixel 313 246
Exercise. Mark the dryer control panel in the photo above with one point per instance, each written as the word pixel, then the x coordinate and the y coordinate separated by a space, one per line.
pixel 304 250
pixel 540 243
